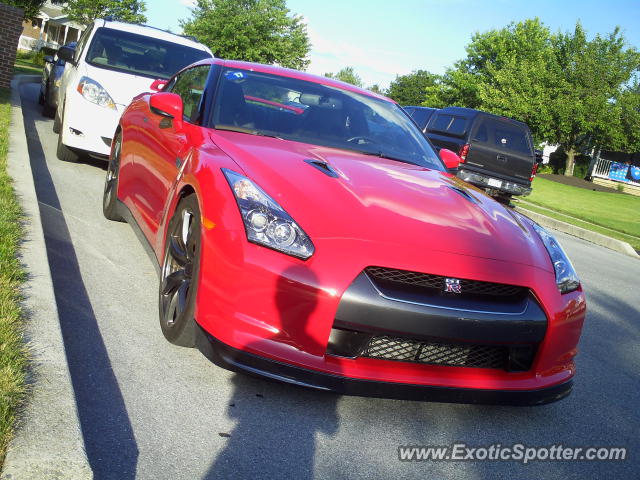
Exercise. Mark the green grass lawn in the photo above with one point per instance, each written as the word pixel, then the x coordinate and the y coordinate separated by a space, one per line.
pixel 617 212
pixel 12 350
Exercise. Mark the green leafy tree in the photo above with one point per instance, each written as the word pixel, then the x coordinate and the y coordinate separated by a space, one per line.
pixel 629 104
pixel 86 11
pixel 30 7
pixel 591 79
pixel 250 30
pixel 487 53
pixel 375 88
pixel 411 89
pixel 347 75
pixel 567 88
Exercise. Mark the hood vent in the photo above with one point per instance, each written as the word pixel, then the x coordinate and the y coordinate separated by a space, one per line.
pixel 463 193
pixel 324 167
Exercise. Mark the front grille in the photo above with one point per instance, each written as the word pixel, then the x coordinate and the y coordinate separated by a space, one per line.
pixel 433 353
pixel 438 283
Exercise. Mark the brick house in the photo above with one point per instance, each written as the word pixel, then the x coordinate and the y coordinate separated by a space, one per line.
pixel 51 28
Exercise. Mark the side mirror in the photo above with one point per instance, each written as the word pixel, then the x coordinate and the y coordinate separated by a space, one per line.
pixel 48 59
pixel 451 160
pixel 158 85
pixel 66 54
pixel 168 105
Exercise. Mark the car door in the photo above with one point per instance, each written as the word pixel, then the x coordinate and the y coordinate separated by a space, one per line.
pixel 164 149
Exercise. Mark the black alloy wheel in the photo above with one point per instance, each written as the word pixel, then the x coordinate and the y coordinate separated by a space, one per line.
pixel 179 274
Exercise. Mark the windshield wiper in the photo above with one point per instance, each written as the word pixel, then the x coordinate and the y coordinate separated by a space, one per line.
pixel 388 157
pixel 248 131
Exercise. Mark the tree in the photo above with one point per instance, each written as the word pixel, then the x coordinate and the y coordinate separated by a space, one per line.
pixel 375 88
pixel 30 7
pixel 411 89
pixel 251 30
pixel 591 79
pixel 86 11
pixel 347 75
pixel 628 108
pixel 487 53
pixel 567 88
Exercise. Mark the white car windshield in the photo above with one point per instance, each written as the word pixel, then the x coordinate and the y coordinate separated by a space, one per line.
pixel 140 54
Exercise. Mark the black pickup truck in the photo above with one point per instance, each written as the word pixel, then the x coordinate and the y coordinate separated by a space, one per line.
pixel 497 152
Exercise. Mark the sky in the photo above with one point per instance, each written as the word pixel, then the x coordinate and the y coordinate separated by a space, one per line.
pixel 383 38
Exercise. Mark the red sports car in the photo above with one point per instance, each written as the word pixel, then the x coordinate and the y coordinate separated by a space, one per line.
pixel 305 230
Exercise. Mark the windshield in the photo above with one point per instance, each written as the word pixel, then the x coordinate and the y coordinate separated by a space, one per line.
pixel 139 54
pixel 292 109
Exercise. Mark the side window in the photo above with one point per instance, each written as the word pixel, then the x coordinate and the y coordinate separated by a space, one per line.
pixel 82 42
pixel 190 86
pixel 421 116
pixel 449 124
pixel 482 134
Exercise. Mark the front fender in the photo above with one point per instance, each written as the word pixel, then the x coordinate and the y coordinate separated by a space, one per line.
pixel 201 173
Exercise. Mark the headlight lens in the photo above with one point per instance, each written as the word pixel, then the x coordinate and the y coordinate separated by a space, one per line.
pixel 266 222
pixel 566 277
pixel 94 93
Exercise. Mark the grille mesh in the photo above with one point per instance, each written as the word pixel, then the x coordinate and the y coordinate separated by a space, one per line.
pixel 437 282
pixel 455 355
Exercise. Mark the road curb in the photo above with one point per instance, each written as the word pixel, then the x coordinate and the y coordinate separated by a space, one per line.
pixel 47 443
pixel 583 233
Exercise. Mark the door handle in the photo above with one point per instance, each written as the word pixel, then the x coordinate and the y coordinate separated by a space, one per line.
pixel 501 158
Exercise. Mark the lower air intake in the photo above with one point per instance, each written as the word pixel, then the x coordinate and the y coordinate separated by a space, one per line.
pixel 454 355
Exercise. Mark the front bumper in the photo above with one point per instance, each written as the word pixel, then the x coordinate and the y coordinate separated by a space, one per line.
pixel 87 126
pixel 240 361
pixel 285 311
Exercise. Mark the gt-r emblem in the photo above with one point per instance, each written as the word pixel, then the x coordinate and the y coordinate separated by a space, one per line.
pixel 452 285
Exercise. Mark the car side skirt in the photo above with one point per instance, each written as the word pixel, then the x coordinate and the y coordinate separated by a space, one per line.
pixel 128 217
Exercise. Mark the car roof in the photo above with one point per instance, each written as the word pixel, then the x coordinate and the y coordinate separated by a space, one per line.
pixel 472 113
pixel 288 72
pixel 420 108
pixel 152 32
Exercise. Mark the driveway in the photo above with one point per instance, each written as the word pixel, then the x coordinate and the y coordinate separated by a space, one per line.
pixel 151 410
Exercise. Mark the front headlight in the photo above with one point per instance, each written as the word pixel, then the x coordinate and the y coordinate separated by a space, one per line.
pixel 95 93
pixel 566 277
pixel 266 222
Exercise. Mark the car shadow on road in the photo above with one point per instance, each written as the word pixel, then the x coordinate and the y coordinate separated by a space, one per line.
pixel 108 435
pixel 277 424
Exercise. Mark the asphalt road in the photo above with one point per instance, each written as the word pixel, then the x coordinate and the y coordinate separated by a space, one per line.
pixel 151 410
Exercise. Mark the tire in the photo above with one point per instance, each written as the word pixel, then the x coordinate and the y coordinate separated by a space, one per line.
pixel 64 153
pixel 110 193
pixel 179 274
pixel 56 122
pixel 47 110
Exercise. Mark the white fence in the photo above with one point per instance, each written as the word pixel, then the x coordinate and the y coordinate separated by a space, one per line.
pixel 617 171
pixel 602 168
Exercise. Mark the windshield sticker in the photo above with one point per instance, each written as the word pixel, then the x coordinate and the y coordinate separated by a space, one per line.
pixel 236 77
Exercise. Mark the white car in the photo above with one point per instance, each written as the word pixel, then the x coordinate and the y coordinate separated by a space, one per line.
pixel 113 63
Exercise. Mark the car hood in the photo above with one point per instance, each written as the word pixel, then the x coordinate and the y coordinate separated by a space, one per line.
pixel 380 200
pixel 122 87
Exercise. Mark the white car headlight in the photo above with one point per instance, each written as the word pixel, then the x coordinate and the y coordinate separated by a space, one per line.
pixel 95 93
pixel 266 222
pixel 566 277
